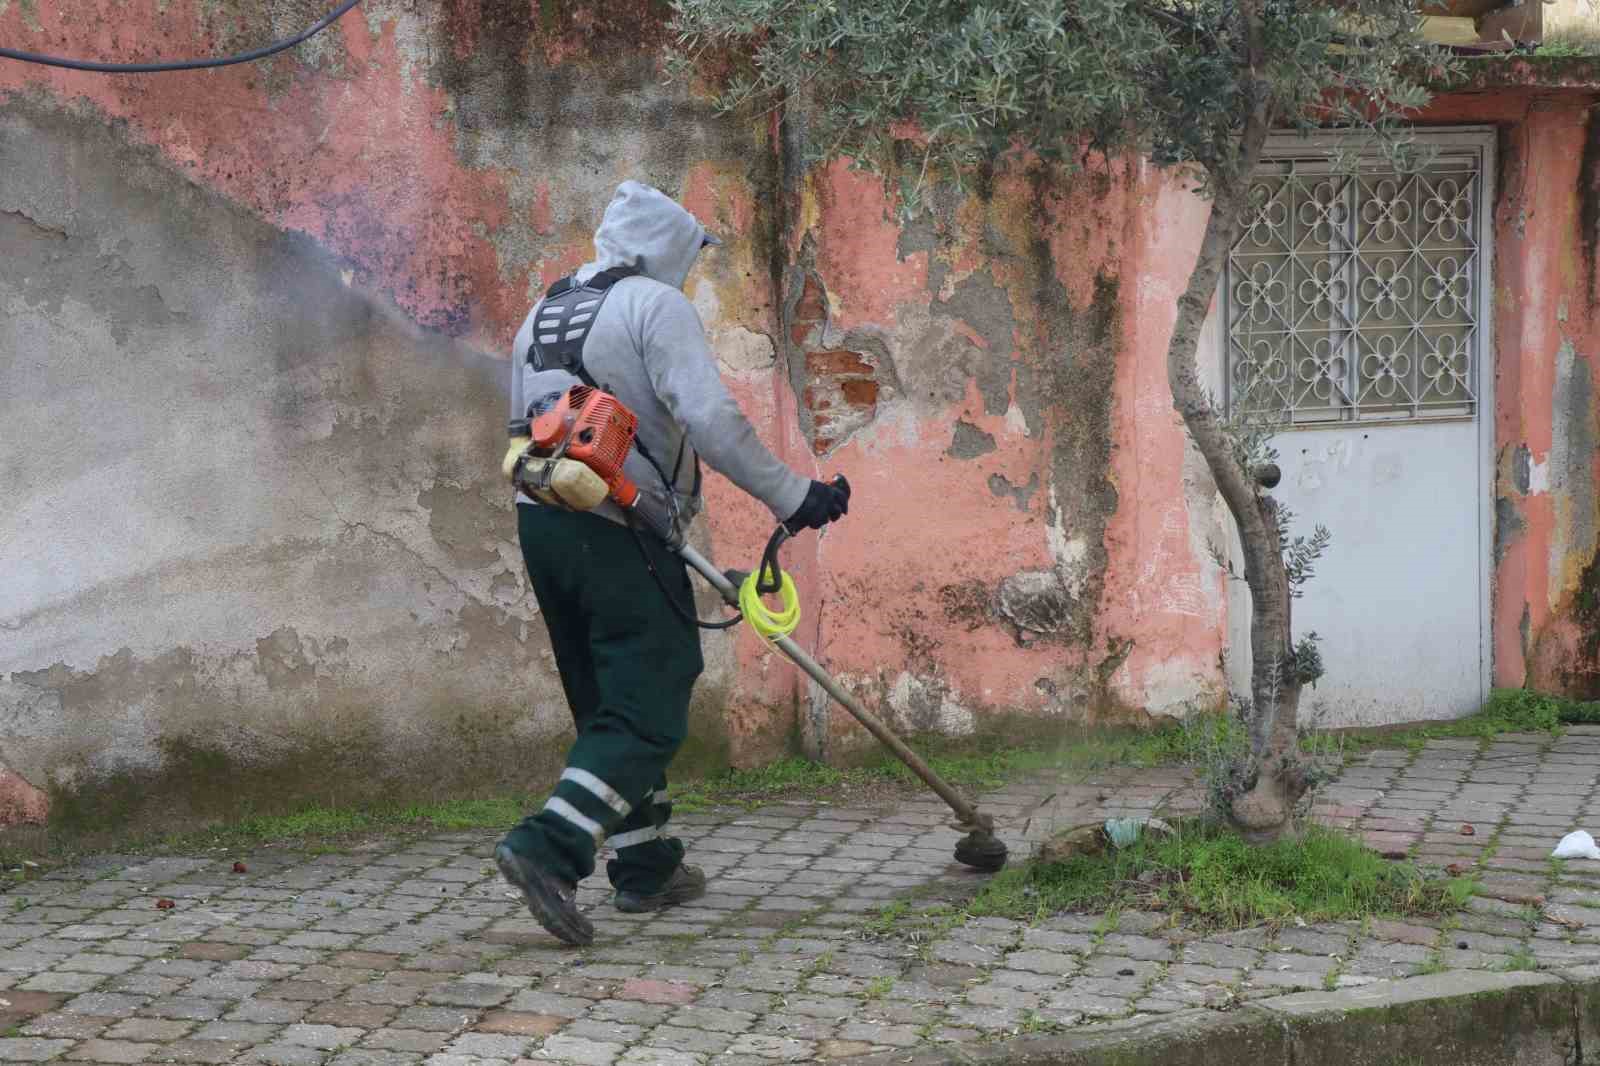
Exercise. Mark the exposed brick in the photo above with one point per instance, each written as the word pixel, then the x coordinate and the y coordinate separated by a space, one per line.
pixel 812 306
pixel 810 312
pixel 860 393
pixel 837 362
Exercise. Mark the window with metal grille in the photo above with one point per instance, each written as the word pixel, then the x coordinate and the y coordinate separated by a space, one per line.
pixel 1354 294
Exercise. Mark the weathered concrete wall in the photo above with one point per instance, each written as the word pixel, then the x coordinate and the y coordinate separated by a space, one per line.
pixel 255 545
pixel 284 567
pixel 256 548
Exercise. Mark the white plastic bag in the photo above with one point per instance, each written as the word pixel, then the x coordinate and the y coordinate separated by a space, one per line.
pixel 1579 845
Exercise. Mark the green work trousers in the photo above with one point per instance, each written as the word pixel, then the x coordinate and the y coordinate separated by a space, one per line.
pixel 628 663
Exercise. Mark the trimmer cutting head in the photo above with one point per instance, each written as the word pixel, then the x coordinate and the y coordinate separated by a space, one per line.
pixel 981 850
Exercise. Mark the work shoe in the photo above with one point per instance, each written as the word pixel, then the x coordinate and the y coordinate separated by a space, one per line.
pixel 549 899
pixel 686 883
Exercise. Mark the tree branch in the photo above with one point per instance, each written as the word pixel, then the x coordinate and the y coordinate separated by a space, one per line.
pixel 1167 15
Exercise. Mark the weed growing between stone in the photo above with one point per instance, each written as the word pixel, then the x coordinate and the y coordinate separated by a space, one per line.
pixel 1521 959
pixel 1180 743
pixel 981 767
pixel 1208 874
pixel 315 826
pixel 1512 710
pixel 1202 740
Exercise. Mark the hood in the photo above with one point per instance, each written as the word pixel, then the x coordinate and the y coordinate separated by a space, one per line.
pixel 645 228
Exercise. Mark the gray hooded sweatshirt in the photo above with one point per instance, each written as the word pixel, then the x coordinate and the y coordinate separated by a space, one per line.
pixel 648 348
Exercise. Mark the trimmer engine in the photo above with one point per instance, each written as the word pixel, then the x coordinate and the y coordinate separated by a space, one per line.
pixel 594 428
pixel 572 455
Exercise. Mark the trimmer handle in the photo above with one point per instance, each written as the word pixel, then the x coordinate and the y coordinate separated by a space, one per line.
pixel 770 576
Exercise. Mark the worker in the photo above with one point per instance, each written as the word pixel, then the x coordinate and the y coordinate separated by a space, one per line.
pixel 617 603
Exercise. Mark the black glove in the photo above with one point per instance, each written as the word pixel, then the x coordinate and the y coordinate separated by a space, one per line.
pixel 824 503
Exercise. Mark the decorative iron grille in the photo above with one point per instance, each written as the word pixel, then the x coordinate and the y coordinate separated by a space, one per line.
pixel 1354 294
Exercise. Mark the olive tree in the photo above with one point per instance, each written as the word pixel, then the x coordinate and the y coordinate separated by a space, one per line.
pixel 1192 85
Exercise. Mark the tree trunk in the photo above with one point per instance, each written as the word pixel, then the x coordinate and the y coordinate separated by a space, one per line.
pixel 1269 787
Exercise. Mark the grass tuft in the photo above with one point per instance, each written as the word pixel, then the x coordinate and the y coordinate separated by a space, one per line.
pixel 1211 875
pixel 1519 960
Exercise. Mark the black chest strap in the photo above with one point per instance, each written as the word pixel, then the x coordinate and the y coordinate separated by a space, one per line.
pixel 565 318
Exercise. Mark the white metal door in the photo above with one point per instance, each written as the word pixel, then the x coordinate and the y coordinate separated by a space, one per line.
pixel 1355 311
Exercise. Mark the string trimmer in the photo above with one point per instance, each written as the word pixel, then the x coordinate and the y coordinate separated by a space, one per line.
pixel 572 456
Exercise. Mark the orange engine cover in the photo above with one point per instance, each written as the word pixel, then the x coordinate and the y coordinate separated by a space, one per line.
pixel 597 430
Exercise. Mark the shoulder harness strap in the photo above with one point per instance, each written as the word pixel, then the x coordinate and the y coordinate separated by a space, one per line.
pixel 565 319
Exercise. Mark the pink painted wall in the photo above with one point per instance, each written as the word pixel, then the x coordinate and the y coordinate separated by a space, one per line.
pixel 1028 539
pixel 1547 343
pixel 1021 425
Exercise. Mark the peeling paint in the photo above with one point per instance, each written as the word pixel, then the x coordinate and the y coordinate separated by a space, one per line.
pixel 1508 527
pixel 1016 421
pixel 1571 476
pixel 1522 470
pixel 969 441
pixel 1548 337
pixel 1021 495
pixel 1035 602
pixel 922 706
pixel 743 351
pixel 1538 475
pixel 982 307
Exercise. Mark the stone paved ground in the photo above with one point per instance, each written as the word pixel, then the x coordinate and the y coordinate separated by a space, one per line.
pixel 409 951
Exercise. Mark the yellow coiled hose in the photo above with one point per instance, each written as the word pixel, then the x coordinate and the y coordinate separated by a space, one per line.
pixel 769 624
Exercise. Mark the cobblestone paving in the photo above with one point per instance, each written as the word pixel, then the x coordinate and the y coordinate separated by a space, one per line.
pixel 411 951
